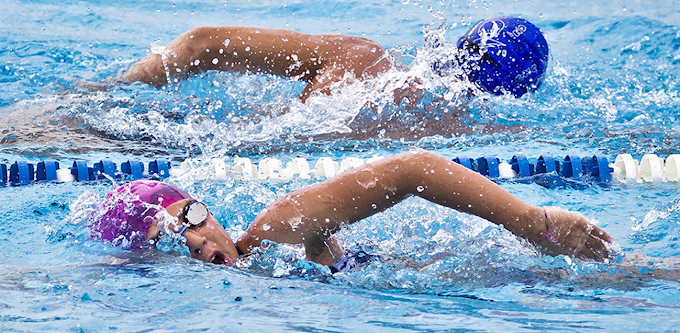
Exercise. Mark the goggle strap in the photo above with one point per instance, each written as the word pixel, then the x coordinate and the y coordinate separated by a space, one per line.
pixel 184 228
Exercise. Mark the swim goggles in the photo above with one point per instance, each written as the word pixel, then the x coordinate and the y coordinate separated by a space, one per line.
pixel 195 213
pixel 474 48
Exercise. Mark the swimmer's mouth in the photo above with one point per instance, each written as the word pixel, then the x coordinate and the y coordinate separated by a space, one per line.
pixel 218 258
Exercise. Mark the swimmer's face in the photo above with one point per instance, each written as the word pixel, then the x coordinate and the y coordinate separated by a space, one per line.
pixel 208 242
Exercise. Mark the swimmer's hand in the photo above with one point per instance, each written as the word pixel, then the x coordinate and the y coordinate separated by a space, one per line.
pixel 103 85
pixel 571 233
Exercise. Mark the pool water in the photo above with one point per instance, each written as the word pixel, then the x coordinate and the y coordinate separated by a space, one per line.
pixel 612 88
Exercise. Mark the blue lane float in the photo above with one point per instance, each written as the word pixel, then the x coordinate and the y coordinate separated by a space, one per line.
pixel 572 167
pixel 159 168
pixel 3 174
pixel 133 168
pixel 81 172
pixel 466 162
pixel 21 173
pixel 47 170
pixel 521 166
pixel 598 167
pixel 488 166
pixel 547 164
pixel 105 169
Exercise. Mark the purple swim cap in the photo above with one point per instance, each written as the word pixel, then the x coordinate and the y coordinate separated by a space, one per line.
pixel 126 214
pixel 504 54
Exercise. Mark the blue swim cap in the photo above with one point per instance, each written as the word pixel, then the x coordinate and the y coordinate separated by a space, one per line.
pixel 504 54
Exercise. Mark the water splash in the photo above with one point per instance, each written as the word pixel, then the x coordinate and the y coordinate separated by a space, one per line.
pixel 282 260
pixel 658 228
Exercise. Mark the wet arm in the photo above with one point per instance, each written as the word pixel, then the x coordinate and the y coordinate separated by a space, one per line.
pixel 313 214
pixel 239 49
pixel 318 59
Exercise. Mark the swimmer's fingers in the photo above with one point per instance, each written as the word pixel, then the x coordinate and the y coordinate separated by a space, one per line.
pixel 597 245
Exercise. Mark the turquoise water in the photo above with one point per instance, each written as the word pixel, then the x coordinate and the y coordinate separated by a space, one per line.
pixel 612 87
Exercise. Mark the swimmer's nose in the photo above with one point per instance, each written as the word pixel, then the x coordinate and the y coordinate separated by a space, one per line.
pixel 198 251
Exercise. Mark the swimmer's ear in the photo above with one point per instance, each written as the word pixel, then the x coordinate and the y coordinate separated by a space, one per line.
pixel 154 232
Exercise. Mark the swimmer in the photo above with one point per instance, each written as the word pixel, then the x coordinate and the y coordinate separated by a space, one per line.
pixel 499 55
pixel 312 215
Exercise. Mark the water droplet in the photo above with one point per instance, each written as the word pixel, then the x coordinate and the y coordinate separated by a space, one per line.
pixel 420 188
pixel 215 61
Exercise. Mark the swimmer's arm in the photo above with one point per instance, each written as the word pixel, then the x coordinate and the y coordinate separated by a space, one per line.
pixel 311 215
pixel 320 60
pixel 239 49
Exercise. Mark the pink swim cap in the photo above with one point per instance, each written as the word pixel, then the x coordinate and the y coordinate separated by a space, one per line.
pixel 125 216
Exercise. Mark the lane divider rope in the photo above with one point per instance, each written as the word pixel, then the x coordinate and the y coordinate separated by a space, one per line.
pixel 545 169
